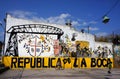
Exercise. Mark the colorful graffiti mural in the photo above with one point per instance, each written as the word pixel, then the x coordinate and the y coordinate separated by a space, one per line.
pixel 48 45
pixel 117 50
pixel 36 44
pixel 29 38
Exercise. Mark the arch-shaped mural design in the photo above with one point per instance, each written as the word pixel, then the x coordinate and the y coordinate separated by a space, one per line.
pixel 12 45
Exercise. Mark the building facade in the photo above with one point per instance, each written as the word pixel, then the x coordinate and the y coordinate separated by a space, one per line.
pixel 31 38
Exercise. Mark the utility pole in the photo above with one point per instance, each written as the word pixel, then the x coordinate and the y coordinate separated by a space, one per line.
pixel 88 29
pixel 113 46
pixel 2 26
pixel 3 40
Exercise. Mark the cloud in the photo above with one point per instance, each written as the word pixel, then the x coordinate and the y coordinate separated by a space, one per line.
pixel 39 19
pixel 84 23
pixel 92 28
pixel 62 16
pixel 75 23
pixel 22 14
pixel 60 19
pixel 92 22
pixel 101 34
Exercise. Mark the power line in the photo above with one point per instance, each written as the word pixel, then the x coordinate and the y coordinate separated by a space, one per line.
pixel 105 15
pixel 115 4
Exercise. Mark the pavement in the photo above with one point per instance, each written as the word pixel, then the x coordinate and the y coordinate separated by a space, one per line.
pixel 95 73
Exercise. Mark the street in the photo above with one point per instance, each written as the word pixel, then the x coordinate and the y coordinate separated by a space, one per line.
pixel 76 73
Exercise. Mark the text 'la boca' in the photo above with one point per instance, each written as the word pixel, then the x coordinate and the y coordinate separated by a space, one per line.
pixel 46 62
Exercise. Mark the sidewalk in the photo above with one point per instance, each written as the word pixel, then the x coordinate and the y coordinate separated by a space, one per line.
pixel 60 74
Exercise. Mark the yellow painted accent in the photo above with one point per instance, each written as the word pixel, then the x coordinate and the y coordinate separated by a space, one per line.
pixel 48 62
pixel 42 37
pixel 83 44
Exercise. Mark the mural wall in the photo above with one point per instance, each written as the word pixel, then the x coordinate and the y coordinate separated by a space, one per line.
pixel 103 49
pixel 36 44
pixel 117 50
pixel 117 56
pixel 71 44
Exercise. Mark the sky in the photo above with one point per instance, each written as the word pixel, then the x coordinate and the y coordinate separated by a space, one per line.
pixel 82 13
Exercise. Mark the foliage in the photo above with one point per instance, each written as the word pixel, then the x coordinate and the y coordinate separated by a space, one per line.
pixel 115 39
